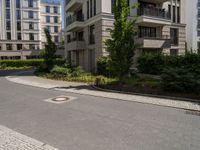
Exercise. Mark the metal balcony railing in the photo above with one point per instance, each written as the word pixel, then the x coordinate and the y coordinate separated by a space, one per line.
pixel 72 18
pixel 154 12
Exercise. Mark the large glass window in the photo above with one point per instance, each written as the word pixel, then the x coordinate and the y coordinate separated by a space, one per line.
pixel 31 36
pixel 8 35
pixel 30 14
pixel 48 28
pixel 55 19
pixel 55 9
pixel 18 4
pixel 18 14
pixel 91 35
pixel 31 25
pixel 56 39
pixel 19 36
pixel 56 29
pixel 7 3
pixel 174 36
pixel 18 25
pixel 7 13
pixel 30 3
pixel 147 32
pixel 8 25
pixel 8 46
pixel 48 19
pixel 19 47
pixel 47 9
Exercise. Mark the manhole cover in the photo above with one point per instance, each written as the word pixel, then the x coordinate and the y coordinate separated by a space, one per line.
pixel 60 99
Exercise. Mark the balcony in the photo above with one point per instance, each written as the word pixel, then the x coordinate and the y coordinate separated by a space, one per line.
pixel 154 1
pixel 155 42
pixel 74 22
pixel 76 45
pixel 72 5
pixel 153 16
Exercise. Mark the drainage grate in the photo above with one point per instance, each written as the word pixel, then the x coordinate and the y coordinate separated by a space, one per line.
pixel 60 99
pixel 194 113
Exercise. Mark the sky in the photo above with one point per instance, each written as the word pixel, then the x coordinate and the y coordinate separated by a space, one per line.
pixel 62 5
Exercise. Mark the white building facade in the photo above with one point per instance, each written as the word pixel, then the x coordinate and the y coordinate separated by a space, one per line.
pixel 192 15
pixel 161 28
pixel 50 18
pixel 21 28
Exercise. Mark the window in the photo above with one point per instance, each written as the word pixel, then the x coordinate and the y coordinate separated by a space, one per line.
pixel 19 36
pixel 31 36
pixel 55 19
pixel 88 13
pixel 174 52
pixel 19 47
pixel 30 14
pixel 48 19
pixel 55 9
pixel 18 25
pixel 8 35
pixel 7 3
pixel 18 4
pixel 91 35
pixel 30 3
pixel 198 33
pixel 56 39
pixel 91 8
pixel 56 29
pixel 31 25
pixel 8 27
pixel 31 46
pixel 18 13
pixel 47 9
pixel 49 28
pixel 7 13
pixel 174 36
pixel 95 7
pixel 8 46
pixel 112 5
pixel 198 45
pixel 147 32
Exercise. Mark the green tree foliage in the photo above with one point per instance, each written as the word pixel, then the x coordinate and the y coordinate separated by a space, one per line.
pixel 49 52
pixel 122 45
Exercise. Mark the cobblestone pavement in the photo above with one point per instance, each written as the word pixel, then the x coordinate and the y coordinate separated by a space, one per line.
pixel 11 140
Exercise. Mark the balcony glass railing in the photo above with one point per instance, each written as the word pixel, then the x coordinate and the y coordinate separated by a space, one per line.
pixel 73 18
pixel 154 12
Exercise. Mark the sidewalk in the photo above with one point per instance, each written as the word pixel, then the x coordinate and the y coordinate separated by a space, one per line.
pixel 85 89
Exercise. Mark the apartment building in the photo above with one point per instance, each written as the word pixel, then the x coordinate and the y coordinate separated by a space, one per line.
pixel 50 17
pixel 161 28
pixel 21 27
pixel 192 15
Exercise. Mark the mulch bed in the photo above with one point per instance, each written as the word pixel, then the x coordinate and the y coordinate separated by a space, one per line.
pixel 150 90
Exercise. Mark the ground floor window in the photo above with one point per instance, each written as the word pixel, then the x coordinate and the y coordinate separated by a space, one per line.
pixel 8 47
pixel 19 47
pixel 174 52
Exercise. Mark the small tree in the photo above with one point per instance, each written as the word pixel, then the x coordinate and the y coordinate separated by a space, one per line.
pixel 49 52
pixel 122 46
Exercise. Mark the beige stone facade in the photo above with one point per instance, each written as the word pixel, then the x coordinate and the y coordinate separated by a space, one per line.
pixel 160 27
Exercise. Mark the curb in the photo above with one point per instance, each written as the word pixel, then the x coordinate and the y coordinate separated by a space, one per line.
pixel 149 95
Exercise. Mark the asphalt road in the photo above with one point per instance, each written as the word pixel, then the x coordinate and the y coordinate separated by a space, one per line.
pixel 94 123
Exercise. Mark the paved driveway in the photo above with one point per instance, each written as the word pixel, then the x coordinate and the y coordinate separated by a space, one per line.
pixel 95 123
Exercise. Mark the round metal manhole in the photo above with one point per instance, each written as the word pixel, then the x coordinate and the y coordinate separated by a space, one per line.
pixel 61 99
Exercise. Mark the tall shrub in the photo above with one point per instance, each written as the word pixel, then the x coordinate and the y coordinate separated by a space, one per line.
pixel 49 52
pixel 122 46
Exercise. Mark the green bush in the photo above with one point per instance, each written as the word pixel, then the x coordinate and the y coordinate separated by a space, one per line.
pixel 151 63
pixel 28 62
pixel 103 67
pixel 60 70
pixel 180 80
pixel 156 63
pixel 77 72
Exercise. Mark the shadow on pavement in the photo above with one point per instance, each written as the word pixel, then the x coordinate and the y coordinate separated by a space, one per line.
pixel 28 72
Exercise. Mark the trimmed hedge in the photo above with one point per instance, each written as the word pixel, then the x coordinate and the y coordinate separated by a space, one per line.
pixel 28 62
pixel 156 63
pixel 180 80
